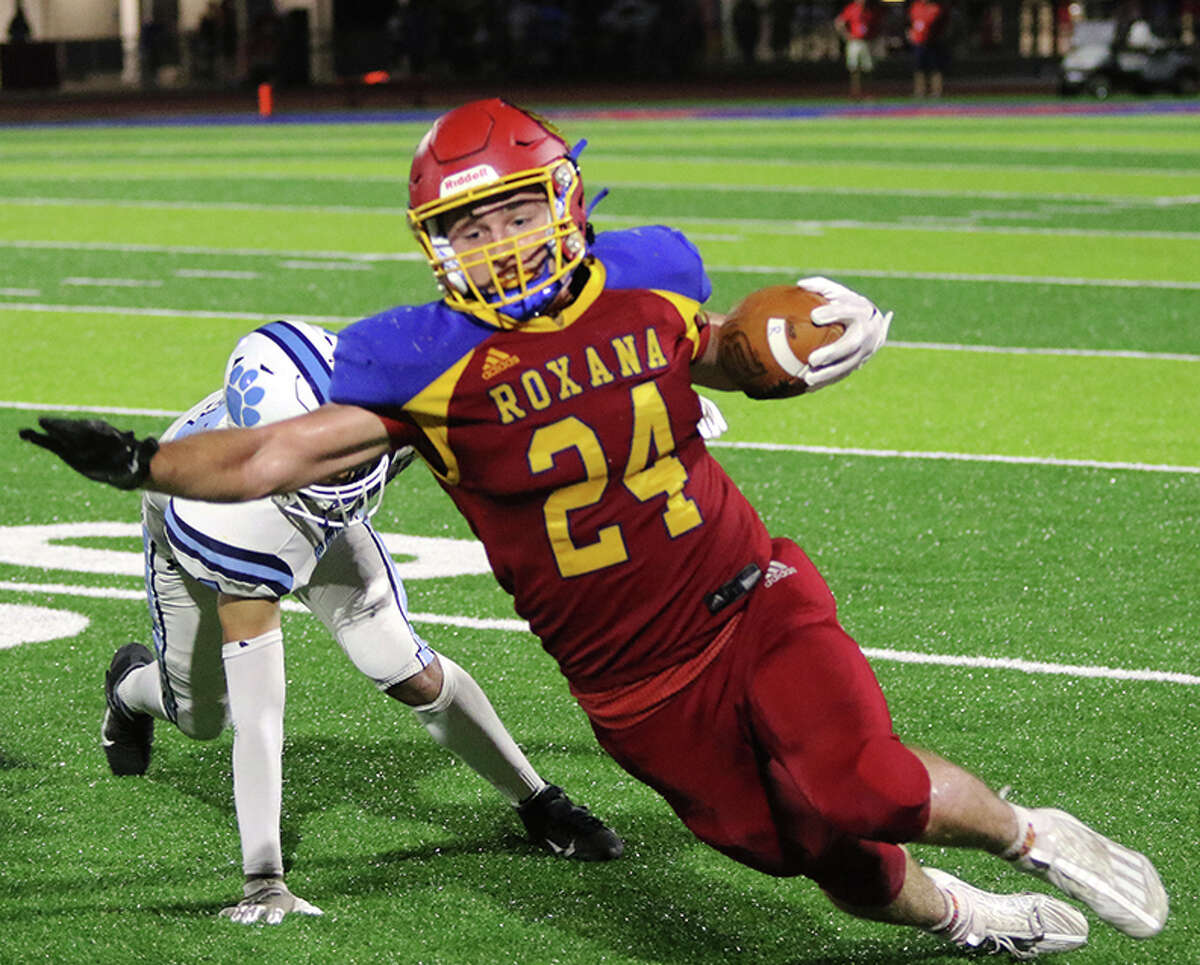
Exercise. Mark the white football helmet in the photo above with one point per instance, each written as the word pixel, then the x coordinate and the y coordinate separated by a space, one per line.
pixel 283 370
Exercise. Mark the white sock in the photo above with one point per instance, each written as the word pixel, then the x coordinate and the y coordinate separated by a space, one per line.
pixel 141 691
pixel 463 721
pixel 952 911
pixel 1022 843
pixel 256 685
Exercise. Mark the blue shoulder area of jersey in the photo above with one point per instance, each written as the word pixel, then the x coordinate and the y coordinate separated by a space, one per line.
pixel 653 257
pixel 385 360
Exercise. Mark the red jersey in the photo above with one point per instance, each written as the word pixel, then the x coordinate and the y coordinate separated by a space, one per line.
pixel 570 446
pixel 925 22
pixel 861 21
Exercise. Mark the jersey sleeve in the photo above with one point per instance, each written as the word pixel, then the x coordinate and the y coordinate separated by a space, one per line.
pixel 382 362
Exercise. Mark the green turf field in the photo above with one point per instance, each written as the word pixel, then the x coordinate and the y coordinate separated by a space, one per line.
pixel 1006 502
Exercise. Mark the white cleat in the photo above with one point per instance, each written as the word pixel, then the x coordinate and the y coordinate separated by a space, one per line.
pixel 1024 925
pixel 1118 884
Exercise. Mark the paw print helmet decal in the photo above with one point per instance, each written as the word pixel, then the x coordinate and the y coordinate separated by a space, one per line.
pixel 283 370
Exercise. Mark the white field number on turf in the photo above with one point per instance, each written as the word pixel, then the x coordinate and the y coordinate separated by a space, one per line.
pixel 50 548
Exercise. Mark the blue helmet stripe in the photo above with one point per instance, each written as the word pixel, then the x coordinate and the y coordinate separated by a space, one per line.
pixel 310 362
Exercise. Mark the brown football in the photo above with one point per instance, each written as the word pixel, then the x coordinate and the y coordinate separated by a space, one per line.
pixel 764 344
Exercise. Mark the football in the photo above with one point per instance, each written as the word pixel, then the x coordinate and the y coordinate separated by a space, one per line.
pixel 765 341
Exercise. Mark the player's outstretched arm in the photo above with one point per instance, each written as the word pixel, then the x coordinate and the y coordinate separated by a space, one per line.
pixel 225 465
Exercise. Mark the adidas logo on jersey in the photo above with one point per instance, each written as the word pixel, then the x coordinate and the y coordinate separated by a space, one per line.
pixel 776 571
pixel 496 362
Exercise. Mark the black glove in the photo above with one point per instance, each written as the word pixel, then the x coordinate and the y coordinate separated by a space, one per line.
pixel 96 449
pixel 402 458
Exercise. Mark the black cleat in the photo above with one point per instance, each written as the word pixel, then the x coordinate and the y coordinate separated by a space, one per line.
pixel 125 736
pixel 566 829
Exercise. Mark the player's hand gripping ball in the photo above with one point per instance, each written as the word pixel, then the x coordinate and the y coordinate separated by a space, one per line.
pixel 766 340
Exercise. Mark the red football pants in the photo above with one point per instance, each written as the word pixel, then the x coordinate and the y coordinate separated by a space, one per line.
pixel 781 754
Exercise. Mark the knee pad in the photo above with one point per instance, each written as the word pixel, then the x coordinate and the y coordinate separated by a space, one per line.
pixel 893 793
pixel 880 794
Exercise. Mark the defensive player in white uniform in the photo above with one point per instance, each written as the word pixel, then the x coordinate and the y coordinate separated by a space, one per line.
pixel 215 574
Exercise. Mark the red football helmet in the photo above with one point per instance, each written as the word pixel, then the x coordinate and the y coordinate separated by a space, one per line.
pixel 476 154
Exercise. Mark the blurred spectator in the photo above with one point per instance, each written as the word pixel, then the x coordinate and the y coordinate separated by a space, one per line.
pixel 858 24
pixel 549 35
pixel 150 52
pixel 18 27
pixel 629 27
pixel 926 30
pixel 781 14
pixel 990 28
pixel 262 49
pixel 413 30
pixel 1189 15
pixel 205 44
pixel 227 51
pixel 747 25
pixel 681 36
pixel 710 17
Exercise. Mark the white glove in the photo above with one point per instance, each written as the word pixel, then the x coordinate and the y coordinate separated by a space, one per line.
pixel 268 901
pixel 712 424
pixel 866 329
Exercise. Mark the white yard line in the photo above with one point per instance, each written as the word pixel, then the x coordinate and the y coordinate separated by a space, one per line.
pixel 230 274
pixel 782 270
pixel 206 205
pixel 113 282
pixel 1059 352
pixel 964 224
pixel 889 191
pixel 684 159
pixel 786 271
pixel 347 319
pixel 1124 200
pixel 954 456
pixel 100 410
pixel 176 313
pixel 1032 666
pixel 20 292
pixel 301 265
pixel 130 248
pixel 519 626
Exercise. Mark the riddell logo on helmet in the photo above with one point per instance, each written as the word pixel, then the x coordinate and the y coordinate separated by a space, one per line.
pixel 480 174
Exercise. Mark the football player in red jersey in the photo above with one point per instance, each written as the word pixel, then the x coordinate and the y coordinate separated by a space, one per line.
pixel 551 394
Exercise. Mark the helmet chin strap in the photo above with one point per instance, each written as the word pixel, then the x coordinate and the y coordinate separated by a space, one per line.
pixel 533 303
pixel 454 274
